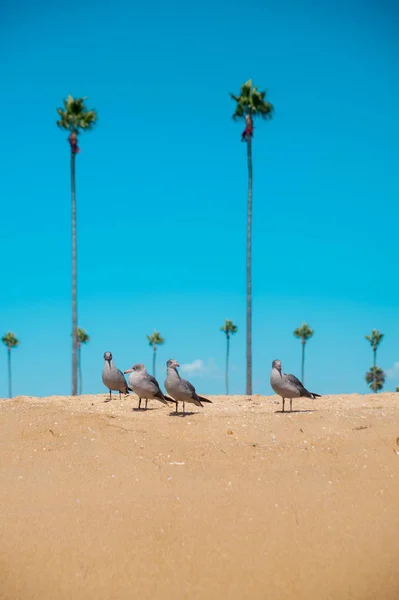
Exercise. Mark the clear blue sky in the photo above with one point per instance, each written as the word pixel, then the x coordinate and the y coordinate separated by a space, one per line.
pixel 162 183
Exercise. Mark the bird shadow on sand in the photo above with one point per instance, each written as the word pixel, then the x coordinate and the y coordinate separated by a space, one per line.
pixel 143 409
pixel 180 414
pixel 291 412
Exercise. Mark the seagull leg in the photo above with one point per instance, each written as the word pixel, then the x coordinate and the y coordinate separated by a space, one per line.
pixel 177 407
pixel 283 405
pixel 290 404
pixel 110 397
pixel 139 403
pixel 184 408
pixel 146 402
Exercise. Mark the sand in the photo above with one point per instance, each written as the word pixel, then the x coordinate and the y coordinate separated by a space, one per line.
pixel 236 501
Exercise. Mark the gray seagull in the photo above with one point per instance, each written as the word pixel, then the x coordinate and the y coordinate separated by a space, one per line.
pixel 288 386
pixel 181 389
pixel 113 378
pixel 145 385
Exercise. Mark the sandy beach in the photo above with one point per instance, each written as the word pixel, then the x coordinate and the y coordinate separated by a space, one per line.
pixel 234 501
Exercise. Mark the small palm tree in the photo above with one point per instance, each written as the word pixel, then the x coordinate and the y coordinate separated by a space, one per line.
pixel 10 340
pixel 250 104
pixel 375 378
pixel 229 329
pixel 304 333
pixel 155 340
pixel 75 117
pixel 375 340
pixel 83 338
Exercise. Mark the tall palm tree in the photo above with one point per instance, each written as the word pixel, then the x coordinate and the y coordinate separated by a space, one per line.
pixel 83 338
pixel 75 117
pixel 304 333
pixel 375 377
pixel 10 340
pixel 229 329
pixel 250 104
pixel 375 340
pixel 155 340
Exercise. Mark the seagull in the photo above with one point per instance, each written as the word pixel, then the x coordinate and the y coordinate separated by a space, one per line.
pixel 113 378
pixel 287 386
pixel 180 389
pixel 145 385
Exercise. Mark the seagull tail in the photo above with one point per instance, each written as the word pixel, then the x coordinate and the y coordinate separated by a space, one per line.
pixel 315 395
pixel 168 399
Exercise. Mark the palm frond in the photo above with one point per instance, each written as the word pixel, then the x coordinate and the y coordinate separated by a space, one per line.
pixel 76 117
pixel 304 332
pixel 252 102
pixel 155 339
pixel 10 340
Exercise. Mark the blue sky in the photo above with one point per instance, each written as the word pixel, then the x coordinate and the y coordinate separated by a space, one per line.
pixel 162 182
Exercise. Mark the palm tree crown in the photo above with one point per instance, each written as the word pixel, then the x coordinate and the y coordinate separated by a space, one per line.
pixel 75 116
pixel 10 340
pixel 229 328
pixel 155 339
pixel 374 339
pixel 375 378
pixel 304 333
pixel 83 337
pixel 251 102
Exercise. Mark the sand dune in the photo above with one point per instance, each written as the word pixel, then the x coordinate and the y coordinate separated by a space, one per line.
pixel 236 501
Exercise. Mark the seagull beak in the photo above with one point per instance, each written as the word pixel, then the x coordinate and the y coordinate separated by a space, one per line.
pixel 128 371
pixel 177 364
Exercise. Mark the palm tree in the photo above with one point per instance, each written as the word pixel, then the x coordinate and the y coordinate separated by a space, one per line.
pixel 229 329
pixel 250 103
pixel 75 117
pixel 375 377
pixel 83 338
pixel 304 333
pixel 375 340
pixel 155 340
pixel 10 340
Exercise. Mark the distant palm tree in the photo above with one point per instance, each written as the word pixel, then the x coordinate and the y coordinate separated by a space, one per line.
pixel 10 340
pixel 375 377
pixel 250 104
pixel 397 389
pixel 375 340
pixel 304 333
pixel 83 338
pixel 229 329
pixel 155 340
pixel 75 117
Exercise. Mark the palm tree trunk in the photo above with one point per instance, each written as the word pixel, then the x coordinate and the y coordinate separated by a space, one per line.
pixel 153 361
pixel 249 279
pixel 303 363
pixel 9 373
pixel 227 364
pixel 375 371
pixel 74 305
pixel 80 369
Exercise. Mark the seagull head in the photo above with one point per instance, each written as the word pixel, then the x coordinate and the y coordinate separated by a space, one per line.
pixel 276 364
pixel 139 368
pixel 108 356
pixel 172 363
